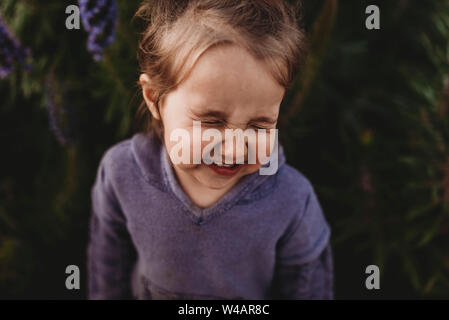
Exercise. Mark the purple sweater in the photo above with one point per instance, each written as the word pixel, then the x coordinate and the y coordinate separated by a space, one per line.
pixel 267 238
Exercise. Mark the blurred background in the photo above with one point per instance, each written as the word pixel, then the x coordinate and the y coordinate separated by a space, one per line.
pixel 367 121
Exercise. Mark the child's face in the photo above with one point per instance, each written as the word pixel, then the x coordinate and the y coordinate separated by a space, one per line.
pixel 227 89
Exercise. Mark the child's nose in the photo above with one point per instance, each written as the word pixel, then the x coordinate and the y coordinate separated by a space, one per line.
pixel 235 149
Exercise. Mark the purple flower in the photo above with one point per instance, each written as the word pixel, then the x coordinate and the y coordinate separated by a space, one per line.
pixel 11 52
pixel 99 18
pixel 60 113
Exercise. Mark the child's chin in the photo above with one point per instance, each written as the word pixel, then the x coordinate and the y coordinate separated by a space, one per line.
pixel 214 181
pixel 217 184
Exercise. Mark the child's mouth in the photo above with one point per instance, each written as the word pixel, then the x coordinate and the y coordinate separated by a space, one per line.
pixel 225 169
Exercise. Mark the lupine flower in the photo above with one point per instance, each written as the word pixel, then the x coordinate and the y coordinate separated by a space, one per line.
pixel 11 52
pixel 99 18
pixel 60 114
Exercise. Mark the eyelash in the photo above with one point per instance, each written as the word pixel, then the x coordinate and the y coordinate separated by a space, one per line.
pixel 259 127
pixel 213 122
pixel 218 122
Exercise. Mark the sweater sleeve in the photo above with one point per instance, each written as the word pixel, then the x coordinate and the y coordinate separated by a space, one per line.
pixel 312 280
pixel 304 262
pixel 110 254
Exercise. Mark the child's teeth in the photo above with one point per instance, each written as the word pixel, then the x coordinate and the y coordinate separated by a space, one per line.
pixel 226 165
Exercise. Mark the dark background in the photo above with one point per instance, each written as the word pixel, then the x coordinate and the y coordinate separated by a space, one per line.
pixel 366 122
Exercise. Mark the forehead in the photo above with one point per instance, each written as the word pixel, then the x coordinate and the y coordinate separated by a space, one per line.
pixel 228 76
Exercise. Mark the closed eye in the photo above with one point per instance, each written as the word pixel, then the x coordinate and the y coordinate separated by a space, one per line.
pixel 212 122
pixel 258 126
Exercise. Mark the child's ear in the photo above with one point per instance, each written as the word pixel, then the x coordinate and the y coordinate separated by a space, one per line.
pixel 145 83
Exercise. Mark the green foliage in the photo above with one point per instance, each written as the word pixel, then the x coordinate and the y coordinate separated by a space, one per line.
pixel 372 132
pixel 366 122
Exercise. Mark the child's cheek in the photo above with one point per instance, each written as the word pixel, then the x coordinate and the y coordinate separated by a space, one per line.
pixel 178 143
pixel 265 145
pixel 187 149
pixel 251 168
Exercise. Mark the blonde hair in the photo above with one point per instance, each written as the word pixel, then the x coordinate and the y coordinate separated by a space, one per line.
pixel 179 31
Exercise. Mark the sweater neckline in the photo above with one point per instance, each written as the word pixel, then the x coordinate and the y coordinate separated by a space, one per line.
pixel 201 215
pixel 154 163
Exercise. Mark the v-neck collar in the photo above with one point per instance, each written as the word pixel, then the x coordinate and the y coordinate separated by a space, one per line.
pixel 154 163
pixel 202 214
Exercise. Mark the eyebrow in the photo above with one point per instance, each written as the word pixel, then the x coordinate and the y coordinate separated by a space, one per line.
pixel 223 115
pixel 210 114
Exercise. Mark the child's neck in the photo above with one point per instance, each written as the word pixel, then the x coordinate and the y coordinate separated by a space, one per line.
pixel 200 195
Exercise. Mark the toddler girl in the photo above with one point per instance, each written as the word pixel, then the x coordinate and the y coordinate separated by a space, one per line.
pixel 211 226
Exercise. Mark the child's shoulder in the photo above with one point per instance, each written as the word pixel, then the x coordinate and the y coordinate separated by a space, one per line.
pixel 293 182
pixel 302 210
pixel 118 155
pixel 287 192
pixel 293 193
pixel 114 163
pixel 136 157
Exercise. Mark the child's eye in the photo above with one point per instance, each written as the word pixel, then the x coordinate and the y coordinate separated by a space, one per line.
pixel 258 127
pixel 212 122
